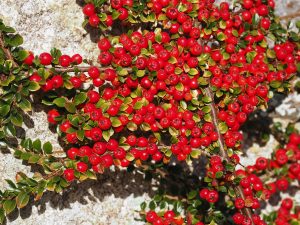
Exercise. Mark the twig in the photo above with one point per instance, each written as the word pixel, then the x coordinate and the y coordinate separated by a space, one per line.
pixel 290 16
pixel 59 69
pixel 223 153
pixel 157 170
pixel 53 174
pixel 214 113
pixel 176 198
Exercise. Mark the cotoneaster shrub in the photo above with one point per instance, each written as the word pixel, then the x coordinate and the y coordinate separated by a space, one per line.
pixel 174 82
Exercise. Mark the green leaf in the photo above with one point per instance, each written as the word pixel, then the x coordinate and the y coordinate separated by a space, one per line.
pixel 2 215
pixel 219 174
pixel 271 54
pixel 192 194
pixel 178 70
pixel 80 135
pixel 143 206
pixel 275 84
pixel 195 154
pixel 4 110
pixel 255 19
pixel 221 36
pixel 193 72
pixel 115 14
pixel 33 86
pixel 6 29
pixel 47 147
pixel 179 87
pixel 80 98
pixel 152 205
pixel 60 102
pixel 138 105
pixel 8 80
pixel 25 105
pixel 207 117
pixel 23 54
pixel 115 122
pixel 9 206
pixel 25 155
pixel 70 107
pixel 250 56
pixel 34 159
pixel 173 131
pixel 14 41
pixel 206 99
pixel 222 189
pixel 17 119
pixel 22 199
pixel 131 126
pixel 37 145
pixel 230 167
pixel 183 104
pixel 207 73
pixel 140 73
pixel 158 37
pixel 11 183
pixel 223 127
pixel 129 156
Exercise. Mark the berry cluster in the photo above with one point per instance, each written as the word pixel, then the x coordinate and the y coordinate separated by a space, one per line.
pixel 169 217
pixel 178 87
pixel 285 162
pixel 259 182
pixel 164 82
pixel 284 213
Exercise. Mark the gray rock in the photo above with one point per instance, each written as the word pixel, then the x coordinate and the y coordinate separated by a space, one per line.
pixel 113 199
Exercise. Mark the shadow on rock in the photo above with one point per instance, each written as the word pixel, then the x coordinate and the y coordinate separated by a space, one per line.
pixel 258 126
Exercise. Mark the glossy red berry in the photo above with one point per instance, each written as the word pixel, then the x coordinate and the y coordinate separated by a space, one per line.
pixel 81 167
pixel 76 59
pixel 94 20
pixel 69 175
pixel 89 9
pixel 52 115
pixel 65 60
pixel 29 59
pixel 45 59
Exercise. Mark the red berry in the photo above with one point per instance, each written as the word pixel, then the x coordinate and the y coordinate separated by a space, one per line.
pixel 96 134
pixel 212 196
pixel 57 81
pixel 239 203
pixel 94 20
pixel 69 175
pixel 72 153
pixel 45 59
pixel 123 14
pixel 104 44
pixel 89 9
pixel 65 60
pixel 81 167
pixel 76 59
pixel 93 96
pixel 106 160
pixel 35 77
pixel 76 82
pixel 29 59
pixel 71 138
pixel 52 114
pixel 65 126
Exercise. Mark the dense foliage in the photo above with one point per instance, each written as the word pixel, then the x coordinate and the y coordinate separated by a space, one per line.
pixel 174 86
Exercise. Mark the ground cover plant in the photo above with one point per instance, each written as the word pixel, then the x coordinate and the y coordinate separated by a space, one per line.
pixel 174 84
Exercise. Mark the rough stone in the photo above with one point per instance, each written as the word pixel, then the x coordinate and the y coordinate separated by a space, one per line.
pixel 113 199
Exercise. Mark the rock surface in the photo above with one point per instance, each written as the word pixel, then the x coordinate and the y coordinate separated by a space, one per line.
pixel 111 200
